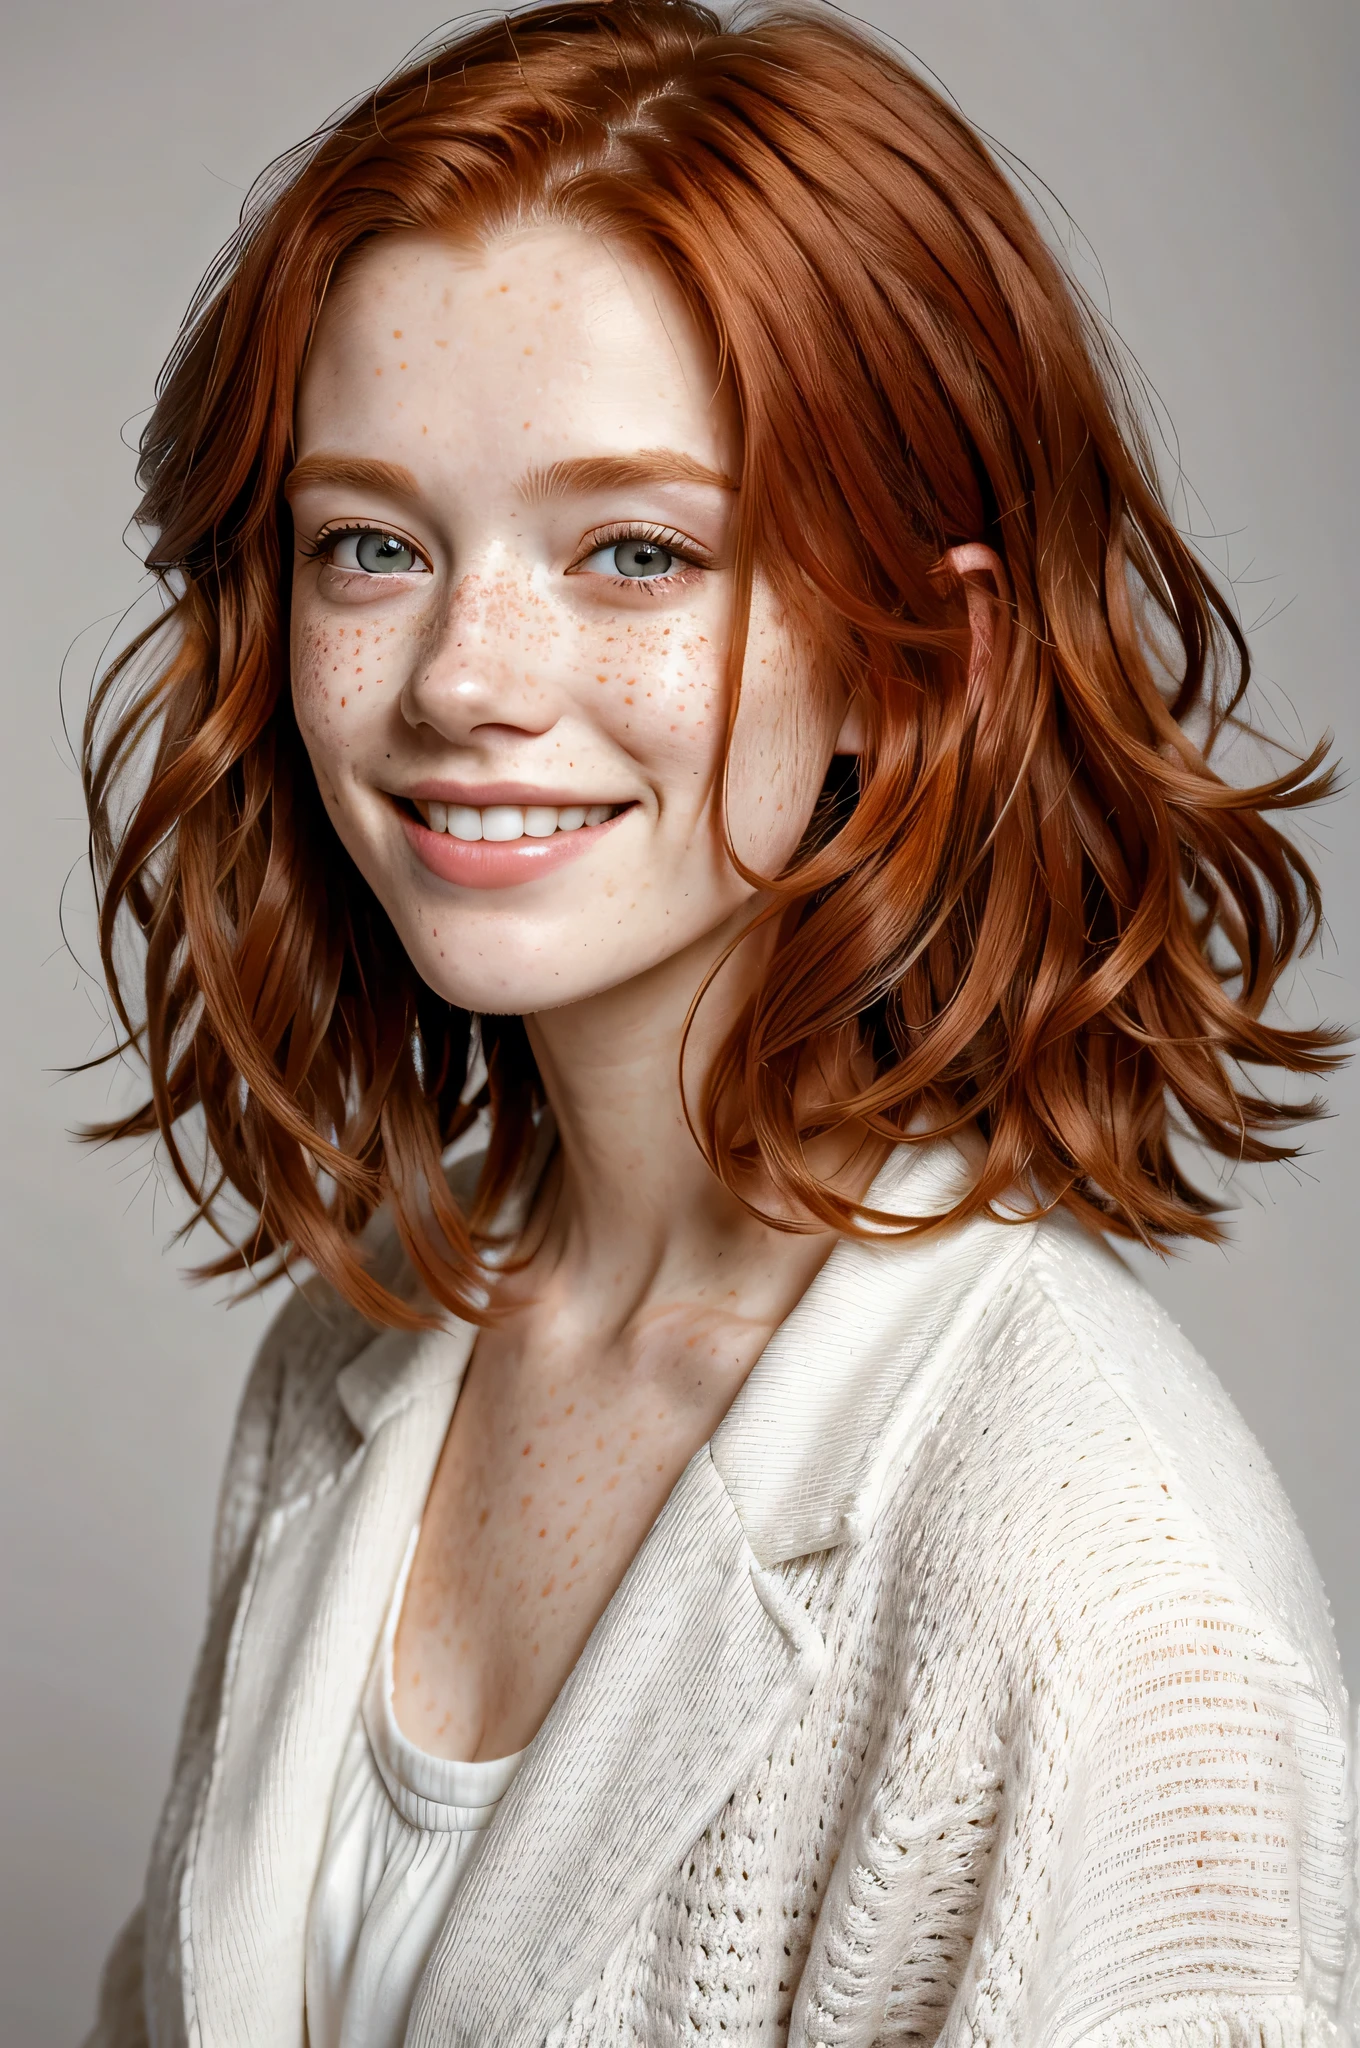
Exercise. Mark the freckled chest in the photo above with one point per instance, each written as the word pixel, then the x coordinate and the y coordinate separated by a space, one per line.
pixel 549 1479
pixel 542 1497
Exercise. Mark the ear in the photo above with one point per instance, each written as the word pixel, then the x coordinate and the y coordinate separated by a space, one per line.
pixel 979 569
pixel 985 586
pixel 851 738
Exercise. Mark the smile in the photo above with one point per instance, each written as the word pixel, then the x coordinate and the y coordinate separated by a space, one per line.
pixel 504 823
pixel 498 845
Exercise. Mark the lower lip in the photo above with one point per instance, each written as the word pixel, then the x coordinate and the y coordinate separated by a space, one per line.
pixel 498 863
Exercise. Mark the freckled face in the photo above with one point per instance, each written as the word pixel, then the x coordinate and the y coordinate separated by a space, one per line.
pixel 512 590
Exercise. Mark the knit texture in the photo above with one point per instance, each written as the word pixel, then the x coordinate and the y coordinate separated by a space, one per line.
pixel 1073 1770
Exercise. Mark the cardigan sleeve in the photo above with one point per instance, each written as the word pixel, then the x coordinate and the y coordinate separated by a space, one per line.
pixel 289 1426
pixel 121 2020
pixel 1173 1862
pixel 1106 1802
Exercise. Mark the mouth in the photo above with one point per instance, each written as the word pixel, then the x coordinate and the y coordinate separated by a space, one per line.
pixel 495 846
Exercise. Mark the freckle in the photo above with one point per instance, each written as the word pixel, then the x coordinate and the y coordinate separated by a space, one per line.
pixel 570 1408
pixel 377 373
pixel 542 1532
pixel 526 426
pixel 525 1452
pixel 424 430
pixel 505 287
pixel 483 1518
pixel 343 702
pixel 580 1479
pixel 542 1464
pixel 526 1500
pixel 547 1589
pixel 396 334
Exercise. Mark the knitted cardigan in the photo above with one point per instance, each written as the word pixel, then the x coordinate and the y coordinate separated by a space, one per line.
pixel 974 1685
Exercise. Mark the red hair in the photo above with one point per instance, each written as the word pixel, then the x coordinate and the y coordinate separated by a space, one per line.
pixel 1041 913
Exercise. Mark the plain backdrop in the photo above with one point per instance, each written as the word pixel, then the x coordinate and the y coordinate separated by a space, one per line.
pixel 1206 151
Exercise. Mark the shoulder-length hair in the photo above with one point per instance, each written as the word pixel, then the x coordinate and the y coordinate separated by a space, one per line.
pixel 1040 912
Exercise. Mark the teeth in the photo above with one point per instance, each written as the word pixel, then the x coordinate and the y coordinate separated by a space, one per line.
pixel 503 822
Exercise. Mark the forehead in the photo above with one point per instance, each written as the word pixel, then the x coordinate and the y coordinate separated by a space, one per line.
pixel 546 343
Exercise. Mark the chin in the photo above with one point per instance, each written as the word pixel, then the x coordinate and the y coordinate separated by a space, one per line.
pixel 492 991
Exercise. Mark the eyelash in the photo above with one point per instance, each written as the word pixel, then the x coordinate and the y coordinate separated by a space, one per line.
pixel 686 551
pixel 677 544
pixel 324 545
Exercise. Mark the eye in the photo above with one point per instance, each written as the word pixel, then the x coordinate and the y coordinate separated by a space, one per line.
pixel 638 559
pixel 373 551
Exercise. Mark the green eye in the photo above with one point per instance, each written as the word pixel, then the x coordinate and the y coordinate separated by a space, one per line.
pixel 376 553
pixel 640 560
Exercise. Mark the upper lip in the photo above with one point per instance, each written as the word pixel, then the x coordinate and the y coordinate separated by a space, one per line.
pixel 478 796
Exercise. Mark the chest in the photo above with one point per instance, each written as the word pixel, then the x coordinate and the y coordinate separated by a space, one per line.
pixel 548 1481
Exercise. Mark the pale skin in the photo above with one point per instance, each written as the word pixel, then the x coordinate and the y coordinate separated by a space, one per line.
pixel 527 611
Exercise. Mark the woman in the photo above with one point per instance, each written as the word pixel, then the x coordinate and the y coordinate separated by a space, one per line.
pixel 682 876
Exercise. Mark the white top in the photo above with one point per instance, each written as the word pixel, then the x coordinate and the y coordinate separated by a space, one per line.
pixel 403 1828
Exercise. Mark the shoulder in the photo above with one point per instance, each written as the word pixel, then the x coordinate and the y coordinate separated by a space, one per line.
pixel 291 1425
pixel 1102 1461
pixel 1088 1589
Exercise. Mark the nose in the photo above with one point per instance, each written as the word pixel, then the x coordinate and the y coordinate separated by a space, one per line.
pixel 487 668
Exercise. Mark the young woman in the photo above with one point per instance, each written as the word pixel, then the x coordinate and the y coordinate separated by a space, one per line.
pixel 672 824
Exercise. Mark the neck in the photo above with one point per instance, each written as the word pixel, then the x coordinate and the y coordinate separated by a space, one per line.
pixel 637 1215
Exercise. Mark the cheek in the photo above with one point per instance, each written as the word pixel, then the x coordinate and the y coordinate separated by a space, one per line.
pixel 781 747
pixel 344 676
pixel 657 684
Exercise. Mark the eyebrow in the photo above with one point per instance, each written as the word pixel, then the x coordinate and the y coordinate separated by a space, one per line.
pixel 355 472
pixel 579 473
pixel 619 472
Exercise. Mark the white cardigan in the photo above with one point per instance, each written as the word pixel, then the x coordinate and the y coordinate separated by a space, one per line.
pixel 974 1685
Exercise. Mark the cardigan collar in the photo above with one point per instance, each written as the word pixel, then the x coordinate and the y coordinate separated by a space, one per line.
pixel 840 1389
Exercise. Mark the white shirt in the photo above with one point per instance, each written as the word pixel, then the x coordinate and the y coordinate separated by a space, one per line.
pixel 404 1826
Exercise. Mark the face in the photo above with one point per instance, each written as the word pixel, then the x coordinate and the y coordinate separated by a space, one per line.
pixel 513 503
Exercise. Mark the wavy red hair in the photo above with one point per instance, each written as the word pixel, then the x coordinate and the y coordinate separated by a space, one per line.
pixel 1040 912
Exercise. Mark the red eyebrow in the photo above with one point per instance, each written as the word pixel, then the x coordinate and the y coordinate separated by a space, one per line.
pixel 358 472
pixel 584 473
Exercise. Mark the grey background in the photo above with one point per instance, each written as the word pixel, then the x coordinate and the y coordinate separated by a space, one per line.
pixel 1207 149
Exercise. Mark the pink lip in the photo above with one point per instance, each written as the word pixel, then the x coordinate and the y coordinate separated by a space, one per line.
pixel 477 795
pixel 497 864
